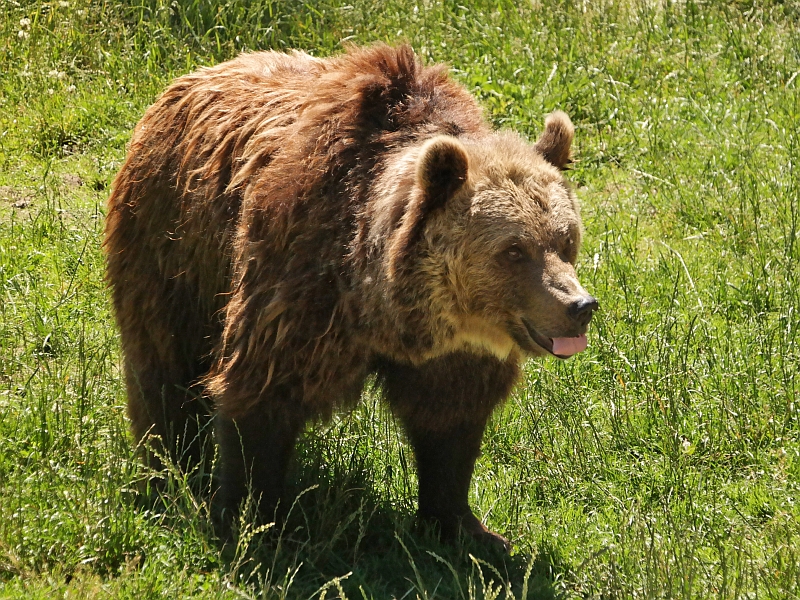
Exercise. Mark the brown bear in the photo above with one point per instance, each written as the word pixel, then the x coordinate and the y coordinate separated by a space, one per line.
pixel 285 226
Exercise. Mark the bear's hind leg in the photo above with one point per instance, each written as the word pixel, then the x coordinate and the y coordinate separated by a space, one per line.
pixel 166 351
pixel 254 452
pixel 169 416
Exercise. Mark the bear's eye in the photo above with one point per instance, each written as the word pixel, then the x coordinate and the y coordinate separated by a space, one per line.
pixel 514 253
pixel 570 250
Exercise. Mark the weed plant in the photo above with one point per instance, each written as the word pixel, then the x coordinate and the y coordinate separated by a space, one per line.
pixel 663 462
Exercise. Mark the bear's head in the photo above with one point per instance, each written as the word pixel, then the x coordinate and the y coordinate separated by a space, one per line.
pixel 495 229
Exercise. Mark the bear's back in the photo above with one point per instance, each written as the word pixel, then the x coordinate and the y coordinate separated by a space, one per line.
pixel 281 149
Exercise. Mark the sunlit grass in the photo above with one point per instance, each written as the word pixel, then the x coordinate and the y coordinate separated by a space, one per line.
pixel 662 462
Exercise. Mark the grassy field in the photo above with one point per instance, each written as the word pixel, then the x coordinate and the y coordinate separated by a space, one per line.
pixel 664 462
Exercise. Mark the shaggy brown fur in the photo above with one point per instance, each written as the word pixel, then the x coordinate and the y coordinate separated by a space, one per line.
pixel 284 226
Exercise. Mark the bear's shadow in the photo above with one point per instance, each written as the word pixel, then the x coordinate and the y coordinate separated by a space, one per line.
pixel 347 521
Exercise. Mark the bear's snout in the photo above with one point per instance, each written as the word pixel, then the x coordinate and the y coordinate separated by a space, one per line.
pixel 582 309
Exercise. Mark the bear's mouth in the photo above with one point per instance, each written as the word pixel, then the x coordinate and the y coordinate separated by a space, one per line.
pixel 559 347
pixel 540 340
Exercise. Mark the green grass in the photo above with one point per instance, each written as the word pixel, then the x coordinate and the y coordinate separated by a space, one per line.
pixel 664 462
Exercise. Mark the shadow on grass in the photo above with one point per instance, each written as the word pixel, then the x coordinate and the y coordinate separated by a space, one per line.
pixel 343 536
pixel 351 529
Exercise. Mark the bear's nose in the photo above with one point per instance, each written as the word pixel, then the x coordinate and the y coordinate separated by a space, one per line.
pixel 582 310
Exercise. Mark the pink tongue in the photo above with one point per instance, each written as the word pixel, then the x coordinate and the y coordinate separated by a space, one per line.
pixel 568 346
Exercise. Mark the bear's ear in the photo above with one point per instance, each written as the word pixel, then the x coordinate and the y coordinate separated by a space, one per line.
pixel 556 139
pixel 442 169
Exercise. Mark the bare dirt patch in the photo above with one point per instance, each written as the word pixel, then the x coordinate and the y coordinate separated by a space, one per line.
pixel 19 198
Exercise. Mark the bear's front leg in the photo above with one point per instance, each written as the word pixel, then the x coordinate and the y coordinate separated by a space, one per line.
pixel 445 462
pixel 254 452
pixel 444 405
